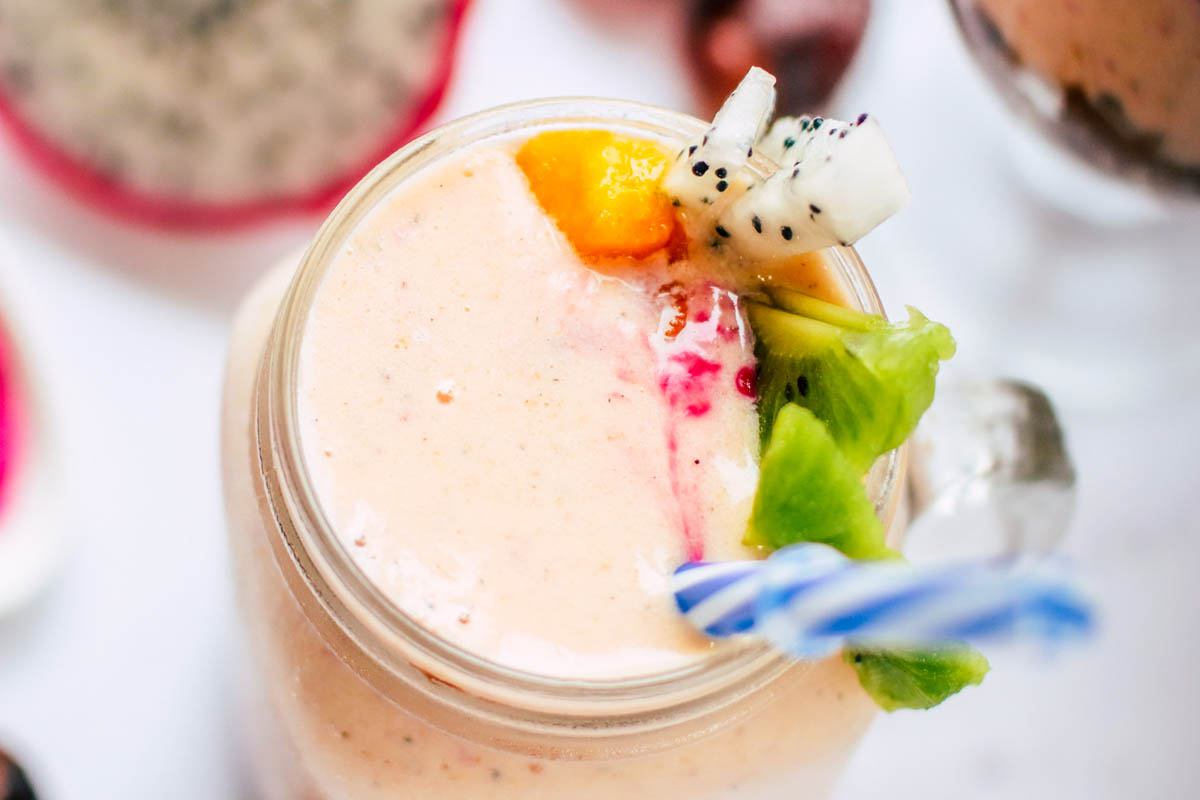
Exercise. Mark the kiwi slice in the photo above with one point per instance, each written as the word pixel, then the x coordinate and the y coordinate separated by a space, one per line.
pixel 815 308
pixel 836 389
pixel 809 492
pixel 917 679
pixel 867 379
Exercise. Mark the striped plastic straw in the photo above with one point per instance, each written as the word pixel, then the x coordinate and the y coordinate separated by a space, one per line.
pixel 811 600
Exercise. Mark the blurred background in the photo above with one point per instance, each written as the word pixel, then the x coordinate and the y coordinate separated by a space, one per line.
pixel 1053 151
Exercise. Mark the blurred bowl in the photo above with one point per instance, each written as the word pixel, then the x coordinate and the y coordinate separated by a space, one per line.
pixel 1115 82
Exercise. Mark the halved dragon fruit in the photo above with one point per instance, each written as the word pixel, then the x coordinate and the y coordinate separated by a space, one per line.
pixel 216 113
pixel 835 183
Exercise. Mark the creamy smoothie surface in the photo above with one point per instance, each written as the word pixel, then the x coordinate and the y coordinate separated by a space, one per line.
pixel 519 449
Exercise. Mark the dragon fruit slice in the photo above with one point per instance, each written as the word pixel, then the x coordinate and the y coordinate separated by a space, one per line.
pixel 216 113
pixel 708 173
pixel 837 181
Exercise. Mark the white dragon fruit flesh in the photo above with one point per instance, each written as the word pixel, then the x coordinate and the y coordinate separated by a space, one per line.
pixel 711 171
pixel 207 113
pixel 784 140
pixel 836 180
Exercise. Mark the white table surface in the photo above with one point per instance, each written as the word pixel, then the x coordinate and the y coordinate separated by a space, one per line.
pixel 116 683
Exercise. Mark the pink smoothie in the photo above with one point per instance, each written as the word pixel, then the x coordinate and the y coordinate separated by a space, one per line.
pixel 517 449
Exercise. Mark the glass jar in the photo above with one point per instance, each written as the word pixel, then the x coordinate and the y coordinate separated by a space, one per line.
pixel 354 699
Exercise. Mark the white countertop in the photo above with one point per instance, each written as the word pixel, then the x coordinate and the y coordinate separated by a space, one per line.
pixel 116 684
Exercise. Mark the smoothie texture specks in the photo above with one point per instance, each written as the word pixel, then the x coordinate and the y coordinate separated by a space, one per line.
pixel 593 436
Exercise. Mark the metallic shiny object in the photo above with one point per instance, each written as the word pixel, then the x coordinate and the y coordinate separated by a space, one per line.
pixel 989 474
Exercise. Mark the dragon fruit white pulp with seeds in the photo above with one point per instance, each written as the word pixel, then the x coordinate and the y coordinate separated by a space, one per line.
pixel 218 112
pixel 836 180
pixel 711 171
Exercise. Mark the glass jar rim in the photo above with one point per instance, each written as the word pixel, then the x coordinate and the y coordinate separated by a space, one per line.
pixel 400 647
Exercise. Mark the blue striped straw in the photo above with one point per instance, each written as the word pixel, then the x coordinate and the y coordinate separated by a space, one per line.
pixel 811 600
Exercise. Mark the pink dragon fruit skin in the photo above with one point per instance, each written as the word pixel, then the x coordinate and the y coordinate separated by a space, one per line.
pixel 31 534
pixel 10 425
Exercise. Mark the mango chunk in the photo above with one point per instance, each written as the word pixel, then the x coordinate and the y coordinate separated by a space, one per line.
pixel 602 190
